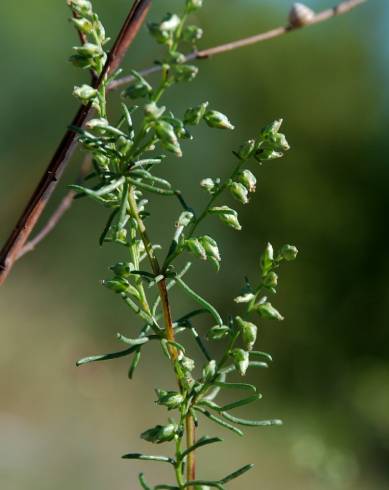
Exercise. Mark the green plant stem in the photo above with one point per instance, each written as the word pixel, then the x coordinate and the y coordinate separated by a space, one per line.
pixel 170 336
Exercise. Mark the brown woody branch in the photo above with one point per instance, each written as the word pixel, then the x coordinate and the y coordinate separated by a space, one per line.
pixel 341 8
pixel 49 180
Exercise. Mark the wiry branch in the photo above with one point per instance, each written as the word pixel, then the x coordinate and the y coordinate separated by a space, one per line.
pixel 57 215
pixel 341 8
pixel 48 182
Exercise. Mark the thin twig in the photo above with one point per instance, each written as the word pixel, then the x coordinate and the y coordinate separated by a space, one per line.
pixel 55 218
pixel 53 173
pixel 341 8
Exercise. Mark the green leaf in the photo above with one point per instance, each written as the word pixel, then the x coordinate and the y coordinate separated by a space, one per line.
pixel 143 483
pixel 258 353
pixel 106 357
pixel 146 457
pixel 237 473
pixel 219 421
pixel 201 301
pixel 236 386
pixel 251 423
pixel 241 403
pixel 203 441
pixel 132 342
pixel 151 188
pixel 134 363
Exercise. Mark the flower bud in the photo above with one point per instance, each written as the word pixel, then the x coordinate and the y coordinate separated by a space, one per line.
pixel 122 269
pixel 169 399
pixel 218 332
pixel 185 73
pixel 170 22
pixel 248 179
pixel 271 128
pixel 194 115
pixel 85 93
pixel 209 371
pixel 267 154
pixel 83 25
pixel 249 332
pixel 241 360
pixel 192 5
pixel 216 119
pixel 88 49
pixel 82 7
pixel 196 247
pixel 227 215
pixel 165 132
pixel 239 191
pixel 208 184
pixel 191 34
pixel 266 310
pixel 185 218
pixel 187 363
pixel 267 259
pixel 288 252
pixel 270 280
pixel 97 123
pixel 244 298
pixel 279 142
pixel 210 246
pixel 137 90
pixel 246 150
pixel 160 433
pixel 153 110
pixel 117 284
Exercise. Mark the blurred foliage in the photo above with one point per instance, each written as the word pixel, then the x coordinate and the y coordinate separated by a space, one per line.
pixel 63 427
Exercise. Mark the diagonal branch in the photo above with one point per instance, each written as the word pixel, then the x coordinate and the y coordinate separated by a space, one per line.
pixel 49 180
pixel 341 8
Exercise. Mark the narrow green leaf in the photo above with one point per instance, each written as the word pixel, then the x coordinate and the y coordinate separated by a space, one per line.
pixel 200 343
pixel 201 301
pixel 258 353
pixel 108 226
pixel 106 357
pixel 236 386
pixel 143 483
pixel 203 441
pixel 146 457
pixel 134 363
pixel 251 423
pixel 219 421
pixel 151 188
pixel 132 342
pixel 123 207
pixel 256 364
pixel 237 473
pixel 241 403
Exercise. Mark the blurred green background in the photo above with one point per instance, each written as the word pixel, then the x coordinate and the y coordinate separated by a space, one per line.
pixel 62 427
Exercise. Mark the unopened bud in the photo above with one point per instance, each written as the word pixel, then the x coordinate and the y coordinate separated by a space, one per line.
pixel 208 184
pixel 85 93
pixel 169 399
pixel 239 191
pixel 248 179
pixel 83 25
pixel 185 73
pixel 218 332
pixel 288 252
pixel 82 7
pixel 246 150
pixel 241 360
pixel 160 433
pixel 249 332
pixel 266 310
pixel 196 247
pixel 267 259
pixel 194 115
pixel 227 215
pixel 209 371
pixel 210 247
pixel 216 119
pixel 185 218
pixel 192 5
pixel 300 15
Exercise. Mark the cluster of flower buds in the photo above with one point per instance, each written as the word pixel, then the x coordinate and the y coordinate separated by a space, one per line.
pixel 244 183
pixel 214 119
pixel 91 54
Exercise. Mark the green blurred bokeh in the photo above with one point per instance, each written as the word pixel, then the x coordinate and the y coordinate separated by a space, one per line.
pixel 62 427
